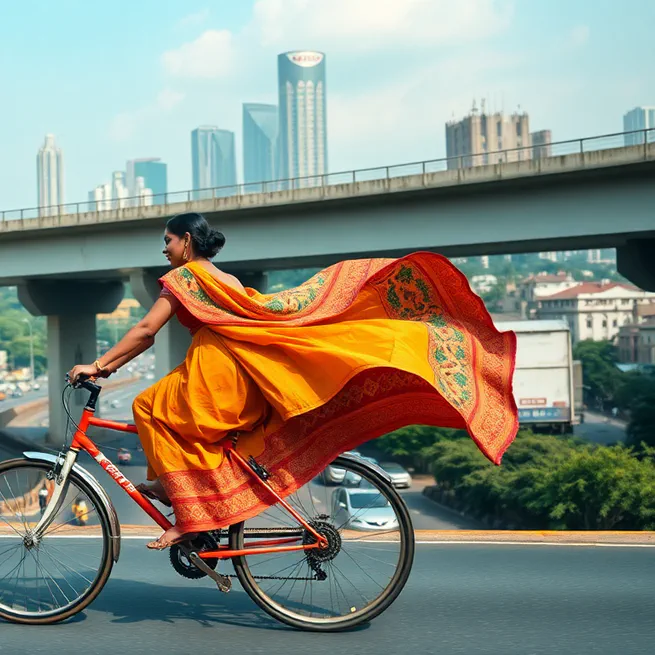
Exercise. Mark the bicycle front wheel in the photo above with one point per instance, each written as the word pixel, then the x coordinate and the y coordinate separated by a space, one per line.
pixel 364 568
pixel 51 579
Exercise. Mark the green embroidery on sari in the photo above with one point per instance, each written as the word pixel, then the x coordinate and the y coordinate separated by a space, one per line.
pixel 410 297
pixel 294 300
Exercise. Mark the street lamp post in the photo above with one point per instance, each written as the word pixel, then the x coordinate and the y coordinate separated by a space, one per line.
pixel 29 323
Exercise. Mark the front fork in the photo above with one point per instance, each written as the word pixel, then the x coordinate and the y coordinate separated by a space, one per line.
pixel 60 473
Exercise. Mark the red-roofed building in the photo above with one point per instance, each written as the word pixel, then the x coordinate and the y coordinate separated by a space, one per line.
pixel 544 284
pixel 596 310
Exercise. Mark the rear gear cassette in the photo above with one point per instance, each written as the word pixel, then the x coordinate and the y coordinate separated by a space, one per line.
pixel 327 530
pixel 184 567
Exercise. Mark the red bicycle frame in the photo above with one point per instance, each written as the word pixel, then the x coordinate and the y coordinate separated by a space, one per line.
pixel 82 442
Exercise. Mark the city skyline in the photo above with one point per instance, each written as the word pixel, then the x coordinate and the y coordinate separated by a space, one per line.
pixel 394 81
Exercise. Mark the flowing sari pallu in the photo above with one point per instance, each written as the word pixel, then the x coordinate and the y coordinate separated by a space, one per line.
pixel 362 348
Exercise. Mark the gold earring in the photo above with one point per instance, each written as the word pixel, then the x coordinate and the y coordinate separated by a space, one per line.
pixel 185 256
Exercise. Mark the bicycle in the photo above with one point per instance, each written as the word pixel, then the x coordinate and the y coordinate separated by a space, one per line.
pixel 306 540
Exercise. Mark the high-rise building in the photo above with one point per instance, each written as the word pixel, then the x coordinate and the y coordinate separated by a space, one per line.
pixel 50 177
pixel 118 190
pixel 100 198
pixel 639 118
pixel 302 140
pixel 260 133
pixel 155 176
pixel 142 193
pixel 213 162
pixel 541 141
pixel 480 138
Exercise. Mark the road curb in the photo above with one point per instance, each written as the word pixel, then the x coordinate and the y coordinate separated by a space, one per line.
pixel 508 537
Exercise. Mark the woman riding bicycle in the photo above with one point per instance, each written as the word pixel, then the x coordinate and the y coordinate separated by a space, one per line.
pixel 362 348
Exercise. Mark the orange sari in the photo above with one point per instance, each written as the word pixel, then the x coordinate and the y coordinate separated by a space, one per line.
pixel 362 348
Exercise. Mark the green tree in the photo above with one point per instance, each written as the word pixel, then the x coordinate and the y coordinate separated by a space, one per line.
pixel 601 488
pixel 601 378
pixel 641 429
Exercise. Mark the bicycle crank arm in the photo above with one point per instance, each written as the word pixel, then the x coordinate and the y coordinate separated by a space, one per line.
pixel 222 581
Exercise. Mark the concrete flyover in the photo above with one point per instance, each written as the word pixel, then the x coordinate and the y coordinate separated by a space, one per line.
pixel 71 266
pixel 602 198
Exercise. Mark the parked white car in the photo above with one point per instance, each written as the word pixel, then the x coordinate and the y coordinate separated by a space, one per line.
pixel 400 477
pixel 363 509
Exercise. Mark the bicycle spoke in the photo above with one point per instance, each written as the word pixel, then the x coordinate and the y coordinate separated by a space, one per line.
pixel 68 567
pixel 54 582
pixel 362 570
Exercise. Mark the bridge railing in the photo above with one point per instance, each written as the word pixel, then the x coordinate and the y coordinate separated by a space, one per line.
pixel 378 173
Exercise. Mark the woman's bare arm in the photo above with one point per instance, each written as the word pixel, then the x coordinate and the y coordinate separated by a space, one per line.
pixel 112 367
pixel 142 335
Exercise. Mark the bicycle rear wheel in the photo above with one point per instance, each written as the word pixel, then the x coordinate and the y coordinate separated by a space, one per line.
pixel 51 579
pixel 364 569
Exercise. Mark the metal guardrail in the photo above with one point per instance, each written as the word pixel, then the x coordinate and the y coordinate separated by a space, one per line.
pixel 556 149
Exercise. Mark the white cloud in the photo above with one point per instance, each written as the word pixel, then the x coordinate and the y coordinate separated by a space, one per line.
pixel 357 25
pixel 341 27
pixel 211 55
pixel 405 120
pixel 579 36
pixel 124 125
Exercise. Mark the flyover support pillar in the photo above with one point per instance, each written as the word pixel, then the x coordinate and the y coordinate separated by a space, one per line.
pixel 71 308
pixel 173 340
pixel 635 261
pixel 257 280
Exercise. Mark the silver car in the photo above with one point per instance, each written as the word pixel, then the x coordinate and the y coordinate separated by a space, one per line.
pixel 362 509
pixel 400 478
pixel 334 474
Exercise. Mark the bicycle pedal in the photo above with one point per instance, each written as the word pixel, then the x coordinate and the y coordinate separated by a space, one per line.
pixel 223 583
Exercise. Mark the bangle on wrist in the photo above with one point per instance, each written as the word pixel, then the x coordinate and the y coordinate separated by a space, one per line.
pixel 101 369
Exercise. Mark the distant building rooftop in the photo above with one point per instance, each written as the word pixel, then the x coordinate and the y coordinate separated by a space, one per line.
pixel 587 288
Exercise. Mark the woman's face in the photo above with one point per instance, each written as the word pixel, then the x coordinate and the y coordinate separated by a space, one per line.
pixel 174 248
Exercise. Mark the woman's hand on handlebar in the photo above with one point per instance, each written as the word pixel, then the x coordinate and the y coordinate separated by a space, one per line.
pixel 85 371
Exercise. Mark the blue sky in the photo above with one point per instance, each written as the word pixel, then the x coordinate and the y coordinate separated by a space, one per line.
pixel 119 80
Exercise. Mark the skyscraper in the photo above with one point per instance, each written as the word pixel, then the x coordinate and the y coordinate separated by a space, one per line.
pixel 213 162
pixel 118 190
pixel 100 198
pixel 50 177
pixel 260 132
pixel 639 118
pixel 155 176
pixel 478 138
pixel 541 141
pixel 302 141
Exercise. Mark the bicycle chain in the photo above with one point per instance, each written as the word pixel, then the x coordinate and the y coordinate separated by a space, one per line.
pixel 218 533
pixel 271 577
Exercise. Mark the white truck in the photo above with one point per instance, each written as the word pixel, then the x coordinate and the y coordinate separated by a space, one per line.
pixel 547 382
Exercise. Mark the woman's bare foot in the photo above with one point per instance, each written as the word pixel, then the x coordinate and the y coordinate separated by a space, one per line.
pixel 154 491
pixel 170 538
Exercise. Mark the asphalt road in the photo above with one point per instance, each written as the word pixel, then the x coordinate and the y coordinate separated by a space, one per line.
pixel 460 599
pixel 599 429
pixel 28 397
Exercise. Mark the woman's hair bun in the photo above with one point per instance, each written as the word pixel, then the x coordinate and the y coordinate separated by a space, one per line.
pixel 206 240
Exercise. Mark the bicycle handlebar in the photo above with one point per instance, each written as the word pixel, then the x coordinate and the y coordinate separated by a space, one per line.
pixel 84 382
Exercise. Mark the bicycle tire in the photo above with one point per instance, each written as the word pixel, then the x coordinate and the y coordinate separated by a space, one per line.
pixel 104 570
pixel 249 583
